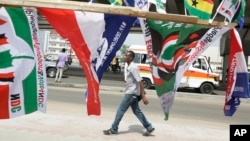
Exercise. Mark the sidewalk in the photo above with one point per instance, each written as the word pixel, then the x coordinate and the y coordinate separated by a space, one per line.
pixel 72 126
pixel 54 126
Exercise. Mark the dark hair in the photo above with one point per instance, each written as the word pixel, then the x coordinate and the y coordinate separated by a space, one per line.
pixel 63 50
pixel 132 54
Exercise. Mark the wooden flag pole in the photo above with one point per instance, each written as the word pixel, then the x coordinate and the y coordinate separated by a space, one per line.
pixel 116 10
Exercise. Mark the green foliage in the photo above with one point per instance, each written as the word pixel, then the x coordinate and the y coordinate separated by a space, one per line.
pixel 123 49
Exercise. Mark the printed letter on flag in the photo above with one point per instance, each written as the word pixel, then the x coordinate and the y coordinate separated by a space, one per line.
pixel 23 88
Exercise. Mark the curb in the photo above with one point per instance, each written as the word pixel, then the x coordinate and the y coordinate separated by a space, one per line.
pixel 121 89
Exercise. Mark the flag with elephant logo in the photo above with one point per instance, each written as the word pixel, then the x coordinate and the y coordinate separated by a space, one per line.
pixel 237 75
pixel 95 38
pixel 23 84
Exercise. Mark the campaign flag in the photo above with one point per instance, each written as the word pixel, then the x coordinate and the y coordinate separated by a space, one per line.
pixel 233 10
pixel 237 75
pixel 160 8
pixel 200 8
pixel 115 2
pixel 23 84
pixel 175 47
pixel 95 38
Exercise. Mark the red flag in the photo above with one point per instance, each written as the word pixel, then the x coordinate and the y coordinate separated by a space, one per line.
pixel 237 76
pixel 66 23
pixel 95 38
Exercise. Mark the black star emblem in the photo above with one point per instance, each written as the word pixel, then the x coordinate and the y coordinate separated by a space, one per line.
pixel 194 3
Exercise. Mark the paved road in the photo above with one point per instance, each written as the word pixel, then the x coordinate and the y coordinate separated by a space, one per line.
pixel 192 118
pixel 76 70
pixel 111 79
pixel 210 110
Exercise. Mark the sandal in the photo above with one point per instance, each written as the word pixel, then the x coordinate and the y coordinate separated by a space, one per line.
pixel 108 132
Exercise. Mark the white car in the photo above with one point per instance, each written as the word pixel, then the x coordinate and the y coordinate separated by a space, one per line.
pixel 51 68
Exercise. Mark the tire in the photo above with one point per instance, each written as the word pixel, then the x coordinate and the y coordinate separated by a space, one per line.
pixel 207 88
pixel 147 83
pixel 118 70
pixel 107 69
pixel 51 72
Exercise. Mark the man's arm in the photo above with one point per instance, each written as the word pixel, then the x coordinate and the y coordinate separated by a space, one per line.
pixel 143 93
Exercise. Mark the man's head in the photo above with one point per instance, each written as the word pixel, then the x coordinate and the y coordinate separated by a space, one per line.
pixel 63 50
pixel 129 56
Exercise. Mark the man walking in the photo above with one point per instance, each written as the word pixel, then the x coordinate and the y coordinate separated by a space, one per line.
pixel 133 92
pixel 61 62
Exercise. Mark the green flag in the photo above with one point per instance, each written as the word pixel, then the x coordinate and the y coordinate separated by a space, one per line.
pixel 22 73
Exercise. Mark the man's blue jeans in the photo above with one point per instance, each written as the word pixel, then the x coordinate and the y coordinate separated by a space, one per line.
pixel 129 100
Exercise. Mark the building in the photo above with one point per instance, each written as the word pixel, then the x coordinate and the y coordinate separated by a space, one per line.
pixel 52 44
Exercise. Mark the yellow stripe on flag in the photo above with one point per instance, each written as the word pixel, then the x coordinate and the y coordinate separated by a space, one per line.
pixel 119 1
pixel 202 5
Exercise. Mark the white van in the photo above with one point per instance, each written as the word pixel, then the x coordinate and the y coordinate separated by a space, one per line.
pixel 198 76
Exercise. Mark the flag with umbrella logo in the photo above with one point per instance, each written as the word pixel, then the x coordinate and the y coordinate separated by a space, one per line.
pixel 23 84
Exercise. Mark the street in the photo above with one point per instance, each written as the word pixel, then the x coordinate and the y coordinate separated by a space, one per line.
pixel 76 70
pixel 184 108
pixel 66 119
pixel 113 79
pixel 196 106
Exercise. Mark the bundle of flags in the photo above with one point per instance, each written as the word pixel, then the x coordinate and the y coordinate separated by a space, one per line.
pixel 23 88
pixel 96 37
pixel 237 79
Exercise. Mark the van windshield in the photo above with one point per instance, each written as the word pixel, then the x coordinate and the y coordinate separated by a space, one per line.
pixel 200 64
pixel 141 58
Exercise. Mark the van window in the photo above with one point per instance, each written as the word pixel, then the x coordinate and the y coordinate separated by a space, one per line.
pixel 137 58
pixel 200 64
pixel 141 58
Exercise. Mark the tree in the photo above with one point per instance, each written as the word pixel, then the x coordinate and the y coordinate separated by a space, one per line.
pixel 123 49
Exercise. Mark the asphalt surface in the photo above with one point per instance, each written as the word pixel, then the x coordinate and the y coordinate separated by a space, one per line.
pixel 74 126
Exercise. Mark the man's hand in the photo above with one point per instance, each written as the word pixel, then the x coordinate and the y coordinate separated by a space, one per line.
pixel 145 100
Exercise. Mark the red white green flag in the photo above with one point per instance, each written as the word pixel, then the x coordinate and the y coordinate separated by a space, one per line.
pixel 175 47
pixel 23 85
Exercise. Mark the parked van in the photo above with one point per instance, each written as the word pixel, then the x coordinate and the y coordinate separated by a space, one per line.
pixel 198 76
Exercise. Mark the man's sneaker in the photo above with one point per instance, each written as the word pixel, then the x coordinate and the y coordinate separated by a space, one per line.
pixel 148 132
pixel 109 132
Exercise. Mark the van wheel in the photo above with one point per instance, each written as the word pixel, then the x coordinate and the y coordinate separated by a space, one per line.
pixel 146 82
pixel 51 72
pixel 207 88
